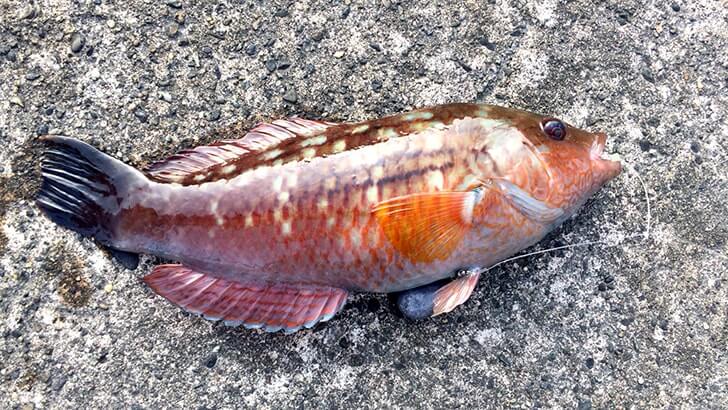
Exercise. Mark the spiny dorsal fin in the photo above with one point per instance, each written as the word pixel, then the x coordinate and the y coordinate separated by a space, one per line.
pixel 227 158
pixel 297 139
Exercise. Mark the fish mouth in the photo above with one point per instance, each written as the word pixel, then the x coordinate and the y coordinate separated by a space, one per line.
pixel 611 162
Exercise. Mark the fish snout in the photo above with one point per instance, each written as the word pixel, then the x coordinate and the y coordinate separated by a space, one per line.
pixel 608 165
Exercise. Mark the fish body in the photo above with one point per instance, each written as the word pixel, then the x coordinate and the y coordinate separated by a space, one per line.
pixel 278 226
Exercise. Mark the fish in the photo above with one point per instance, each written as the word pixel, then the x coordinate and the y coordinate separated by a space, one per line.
pixel 273 230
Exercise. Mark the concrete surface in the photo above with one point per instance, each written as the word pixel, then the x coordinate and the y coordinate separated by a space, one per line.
pixel 641 324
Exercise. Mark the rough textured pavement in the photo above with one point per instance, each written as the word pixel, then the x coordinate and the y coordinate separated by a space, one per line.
pixel 639 324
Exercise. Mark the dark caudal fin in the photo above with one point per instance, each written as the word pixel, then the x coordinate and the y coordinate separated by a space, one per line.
pixel 82 186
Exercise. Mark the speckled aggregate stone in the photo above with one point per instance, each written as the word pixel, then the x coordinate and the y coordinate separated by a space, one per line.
pixel 641 324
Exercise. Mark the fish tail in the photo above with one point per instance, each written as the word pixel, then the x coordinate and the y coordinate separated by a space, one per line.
pixel 82 188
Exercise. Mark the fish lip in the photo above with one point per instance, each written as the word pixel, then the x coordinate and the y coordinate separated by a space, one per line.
pixel 610 162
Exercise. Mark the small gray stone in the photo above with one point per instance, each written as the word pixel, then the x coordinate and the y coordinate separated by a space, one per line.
pixel 15 99
pixel 77 42
pixel 345 13
pixel 211 360
pixel 283 64
pixel 172 29
pixel 27 12
pixel 165 96
pixel 213 115
pixel 290 96
pixel 271 64
pixel 141 115
pixel 32 75
pixel 584 405
pixel 58 382
pixel 318 36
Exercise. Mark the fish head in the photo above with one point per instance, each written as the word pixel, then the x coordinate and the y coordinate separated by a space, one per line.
pixel 550 160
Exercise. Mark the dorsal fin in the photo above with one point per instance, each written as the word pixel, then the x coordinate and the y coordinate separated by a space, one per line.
pixel 227 158
pixel 295 139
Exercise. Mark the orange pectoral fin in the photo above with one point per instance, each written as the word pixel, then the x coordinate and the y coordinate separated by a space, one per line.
pixel 428 226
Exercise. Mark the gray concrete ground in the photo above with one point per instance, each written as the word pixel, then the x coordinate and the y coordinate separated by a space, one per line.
pixel 642 324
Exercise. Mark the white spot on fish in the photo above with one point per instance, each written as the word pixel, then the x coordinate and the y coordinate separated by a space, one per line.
pixel 199 177
pixel 338 146
pixel 219 220
pixel 286 228
pixel 277 215
pixel 323 203
pixel 386 133
pixel 438 125
pixel 330 222
pixel 283 196
pixel 272 154
pixel 543 148
pixel 377 173
pixel 489 123
pixel 308 153
pixel 418 115
pixel 435 180
pixel 228 169
pixel 317 140
pixel 360 129
pixel 277 183
pixel 355 237
pixel 291 180
pixel 433 142
pixel 248 220
pixel 373 194
pixel 387 192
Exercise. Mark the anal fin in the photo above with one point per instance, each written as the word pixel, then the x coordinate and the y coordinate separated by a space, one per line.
pixel 267 306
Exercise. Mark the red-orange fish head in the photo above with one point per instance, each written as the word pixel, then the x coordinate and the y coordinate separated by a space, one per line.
pixel 566 164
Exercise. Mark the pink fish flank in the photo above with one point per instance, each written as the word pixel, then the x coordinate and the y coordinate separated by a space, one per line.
pixel 274 229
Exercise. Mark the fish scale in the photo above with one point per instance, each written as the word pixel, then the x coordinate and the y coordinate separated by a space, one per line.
pixel 290 217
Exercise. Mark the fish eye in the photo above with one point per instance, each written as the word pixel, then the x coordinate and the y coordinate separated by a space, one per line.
pixel 554 129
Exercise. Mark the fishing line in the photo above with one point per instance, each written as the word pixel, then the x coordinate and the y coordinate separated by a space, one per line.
pixel 608 243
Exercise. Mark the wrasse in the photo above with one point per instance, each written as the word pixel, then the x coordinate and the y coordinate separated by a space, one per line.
pixel 274 229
